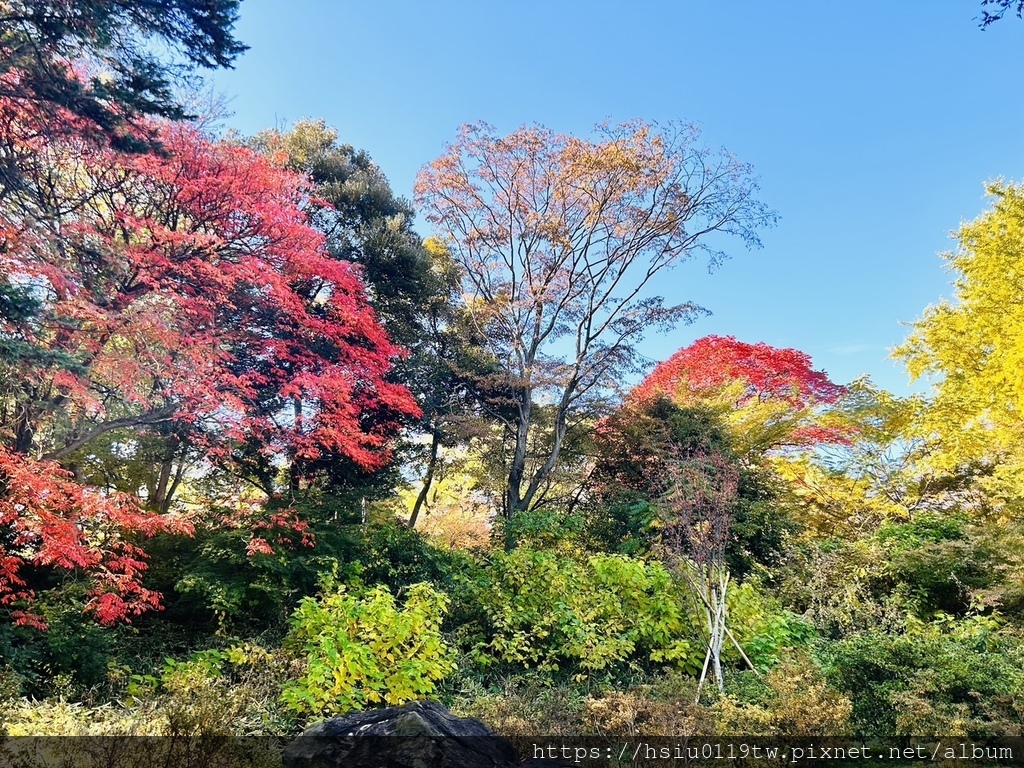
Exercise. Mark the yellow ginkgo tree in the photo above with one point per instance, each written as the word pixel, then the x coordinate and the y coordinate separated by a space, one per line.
pixel 973 350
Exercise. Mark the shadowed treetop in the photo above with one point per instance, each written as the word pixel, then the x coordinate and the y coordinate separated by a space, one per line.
pixel 99 60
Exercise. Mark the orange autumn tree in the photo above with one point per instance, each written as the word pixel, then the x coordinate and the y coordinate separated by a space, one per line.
pixel 181 297
pixel 559 239
pixel 769 398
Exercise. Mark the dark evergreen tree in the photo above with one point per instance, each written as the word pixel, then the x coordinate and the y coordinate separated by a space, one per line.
pixel 413 286
pixel 95 59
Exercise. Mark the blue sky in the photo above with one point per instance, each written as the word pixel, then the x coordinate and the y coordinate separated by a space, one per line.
pixel 872 126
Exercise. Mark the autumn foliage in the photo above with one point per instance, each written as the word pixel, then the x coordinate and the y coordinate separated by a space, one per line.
pixel 228 364
pixel 772 397
pixel 558 237
pixel 191 285
pixel 72 528
pixel 185 291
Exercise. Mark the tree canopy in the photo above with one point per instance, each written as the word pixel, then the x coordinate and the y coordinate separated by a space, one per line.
pixel 769 397
pixel 973 351
pixel 181 296
pixel 413 287
pixel 95 59
pixel 993 10
pixel 261 443
pixel 364 223
pixel 558 238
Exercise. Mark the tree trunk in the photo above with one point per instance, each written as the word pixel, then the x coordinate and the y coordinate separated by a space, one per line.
pixel 711 583
pixel 178 475
pixel 295 470
pixel 718 631
pixel 514 502
pixel 163 481
pixel 545 470
pixel 24 430
pixel 435 444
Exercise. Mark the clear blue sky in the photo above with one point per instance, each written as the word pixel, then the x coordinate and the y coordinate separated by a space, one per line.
pixel 872 125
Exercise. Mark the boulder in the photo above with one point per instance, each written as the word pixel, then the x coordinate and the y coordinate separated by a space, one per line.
pixel 417 735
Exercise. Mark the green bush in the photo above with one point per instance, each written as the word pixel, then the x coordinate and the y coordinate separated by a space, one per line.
pixel 546 610
pixel 904 572
pixel 397 557
pixel 937 559
pixel 544 529
pixel 70 657
pixel 766 632
pixel 951 677
pixel 362 649
pixel 210 583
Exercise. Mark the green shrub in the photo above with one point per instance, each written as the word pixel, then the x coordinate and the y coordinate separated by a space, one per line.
pixel 937 559
pixel 544 529
pixel 846 588
pixel 546 610
pixel 796 700
pixel 952 677
pixel 210 583
pixel 397 557
pixel 766 632
pixel 908 571
pixel 70 657
pixel 362 649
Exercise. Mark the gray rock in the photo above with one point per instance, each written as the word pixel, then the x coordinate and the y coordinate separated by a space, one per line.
pixel 418 735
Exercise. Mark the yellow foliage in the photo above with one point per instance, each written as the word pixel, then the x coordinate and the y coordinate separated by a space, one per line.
pixel 973 349
pixel 458 511
pixel 62 718
pixel 666 709
pixel 801 704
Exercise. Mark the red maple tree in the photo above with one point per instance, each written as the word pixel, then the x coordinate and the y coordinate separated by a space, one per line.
pixel 51 521
pixel 779 384
pixel 182 289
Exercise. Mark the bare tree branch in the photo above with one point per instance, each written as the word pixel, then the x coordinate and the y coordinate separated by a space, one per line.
pixel 560 239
